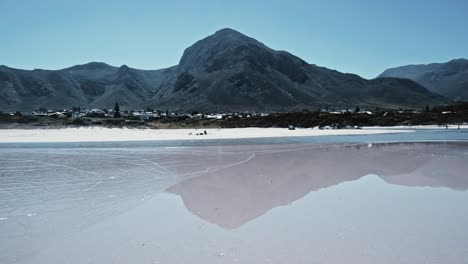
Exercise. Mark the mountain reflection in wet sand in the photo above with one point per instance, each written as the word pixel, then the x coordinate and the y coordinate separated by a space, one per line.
pixel 381 203
pixel 238 194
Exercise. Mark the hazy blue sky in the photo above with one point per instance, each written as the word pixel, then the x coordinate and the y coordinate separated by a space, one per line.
pixel 362 36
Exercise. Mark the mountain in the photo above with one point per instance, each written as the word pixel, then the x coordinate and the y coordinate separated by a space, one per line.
pixel 226 71
pixel 449 79
pixel 90 85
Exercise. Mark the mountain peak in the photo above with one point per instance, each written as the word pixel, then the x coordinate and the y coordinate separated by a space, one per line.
pixel 227 31
pixel 124 67
pixel 230 36
pixel 125 72
pixel 460 60
pixel 91 66
pixel 223 40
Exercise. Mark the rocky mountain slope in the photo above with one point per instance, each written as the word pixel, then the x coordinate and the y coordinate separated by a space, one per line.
pixel 226 71
pixel 449 79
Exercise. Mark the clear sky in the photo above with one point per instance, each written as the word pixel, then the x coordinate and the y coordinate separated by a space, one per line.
pixel 361 36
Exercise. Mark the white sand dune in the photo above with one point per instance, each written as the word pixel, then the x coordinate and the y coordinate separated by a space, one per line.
pixel 96 134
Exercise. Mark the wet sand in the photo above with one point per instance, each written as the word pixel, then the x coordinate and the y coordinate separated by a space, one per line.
pixel 361 203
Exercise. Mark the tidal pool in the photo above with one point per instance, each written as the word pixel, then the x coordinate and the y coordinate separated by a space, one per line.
pixel 290 203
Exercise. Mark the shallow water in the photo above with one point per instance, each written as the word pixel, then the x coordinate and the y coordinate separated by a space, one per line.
pixel 248 203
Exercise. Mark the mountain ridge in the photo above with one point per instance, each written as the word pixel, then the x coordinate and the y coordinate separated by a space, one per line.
pixel 449 79
pixel 226 71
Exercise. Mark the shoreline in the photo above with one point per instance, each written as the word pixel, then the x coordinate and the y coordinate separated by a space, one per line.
pixel 100 134
pixel 437 127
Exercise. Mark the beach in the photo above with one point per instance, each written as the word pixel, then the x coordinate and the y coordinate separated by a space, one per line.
pixel 100 134
pixel 255 203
